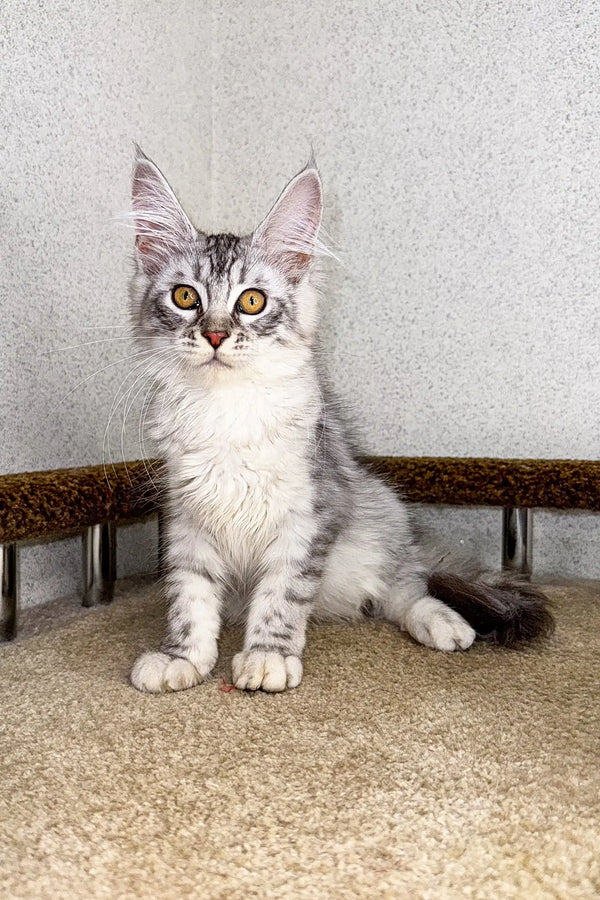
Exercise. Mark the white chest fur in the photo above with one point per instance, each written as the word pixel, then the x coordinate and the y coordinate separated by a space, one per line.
pixel 239 462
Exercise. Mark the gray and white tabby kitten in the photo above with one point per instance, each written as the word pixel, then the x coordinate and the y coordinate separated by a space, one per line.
pixel 270 518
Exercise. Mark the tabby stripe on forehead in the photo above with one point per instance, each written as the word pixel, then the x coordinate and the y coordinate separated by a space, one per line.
pixel 221 253
pixel 198 271
pixel 235 273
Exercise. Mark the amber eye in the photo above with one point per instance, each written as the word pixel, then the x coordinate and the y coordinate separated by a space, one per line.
pixel 251 302
pixel 185 297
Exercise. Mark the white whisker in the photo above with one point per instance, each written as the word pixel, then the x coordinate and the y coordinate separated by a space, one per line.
pixel 117 400
pixel 159 355
pixel 146 405
pixel 105 327
pixel 83 381
pixel 90 343
pixel 129 402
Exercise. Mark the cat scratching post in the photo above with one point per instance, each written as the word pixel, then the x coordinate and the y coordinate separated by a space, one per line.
pixel 99 563
pixel 517 537
pixel 9 577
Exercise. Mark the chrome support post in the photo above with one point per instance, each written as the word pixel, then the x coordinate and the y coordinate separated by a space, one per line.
pixel 99 563
pixel 517 540
pixel 9 576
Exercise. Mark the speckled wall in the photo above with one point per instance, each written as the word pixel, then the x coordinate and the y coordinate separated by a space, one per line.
pixel 458 146
pixel 80 82
pixel 459 149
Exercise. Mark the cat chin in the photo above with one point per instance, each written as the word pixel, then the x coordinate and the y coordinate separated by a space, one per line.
pixel 215 363
pixel 197 363
pixel 212 373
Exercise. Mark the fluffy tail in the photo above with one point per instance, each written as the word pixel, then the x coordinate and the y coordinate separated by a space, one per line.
pixel 501 610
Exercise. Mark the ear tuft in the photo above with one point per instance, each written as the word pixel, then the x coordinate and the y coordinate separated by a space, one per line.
pixel 288 235
pixel 160 223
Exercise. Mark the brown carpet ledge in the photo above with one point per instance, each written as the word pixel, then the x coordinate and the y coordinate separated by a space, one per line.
pixel 393 771
pixel 38 504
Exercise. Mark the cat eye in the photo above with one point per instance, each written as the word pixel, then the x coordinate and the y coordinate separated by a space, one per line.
pixel 185 297
pixel 251 302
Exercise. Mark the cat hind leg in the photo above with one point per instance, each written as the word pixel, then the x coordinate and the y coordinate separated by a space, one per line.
pixel 428 620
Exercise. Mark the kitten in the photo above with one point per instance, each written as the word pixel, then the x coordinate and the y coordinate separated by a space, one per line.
pixel 270 518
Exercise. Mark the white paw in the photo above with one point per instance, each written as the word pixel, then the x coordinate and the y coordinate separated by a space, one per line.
pixel 268 671
pixel 435 625
pixel 158 672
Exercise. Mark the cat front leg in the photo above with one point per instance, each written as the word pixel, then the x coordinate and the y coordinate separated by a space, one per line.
pixel 276 626
pixel 190 647
pixel 275 635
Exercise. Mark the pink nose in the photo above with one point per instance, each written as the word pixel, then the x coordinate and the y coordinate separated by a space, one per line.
pixel 215 337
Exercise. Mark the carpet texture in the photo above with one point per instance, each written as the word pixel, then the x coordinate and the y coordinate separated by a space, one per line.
pixel 393 771
pixel 37 504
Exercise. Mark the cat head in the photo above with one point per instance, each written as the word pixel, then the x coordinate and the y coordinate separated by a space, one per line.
pixel 221 305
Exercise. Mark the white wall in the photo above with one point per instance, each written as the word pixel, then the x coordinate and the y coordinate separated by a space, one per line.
pixel 460 154
pixel 80 82
pixel 458 146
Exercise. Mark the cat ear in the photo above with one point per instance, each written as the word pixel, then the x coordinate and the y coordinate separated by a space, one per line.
pixel 160 223
pixel 288 235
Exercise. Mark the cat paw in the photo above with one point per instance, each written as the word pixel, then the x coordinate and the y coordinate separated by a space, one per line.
pixel 156 673
pixel 255 670
pixel 432 623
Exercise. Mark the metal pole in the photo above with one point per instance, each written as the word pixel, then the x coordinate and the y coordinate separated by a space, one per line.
pixel 9 576
pixel 517 540
pixel 99 563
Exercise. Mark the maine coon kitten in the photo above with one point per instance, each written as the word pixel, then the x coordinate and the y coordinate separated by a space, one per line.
pixel 270 518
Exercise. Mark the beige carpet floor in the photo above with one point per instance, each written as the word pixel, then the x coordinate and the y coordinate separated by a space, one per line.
pixel 393 771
